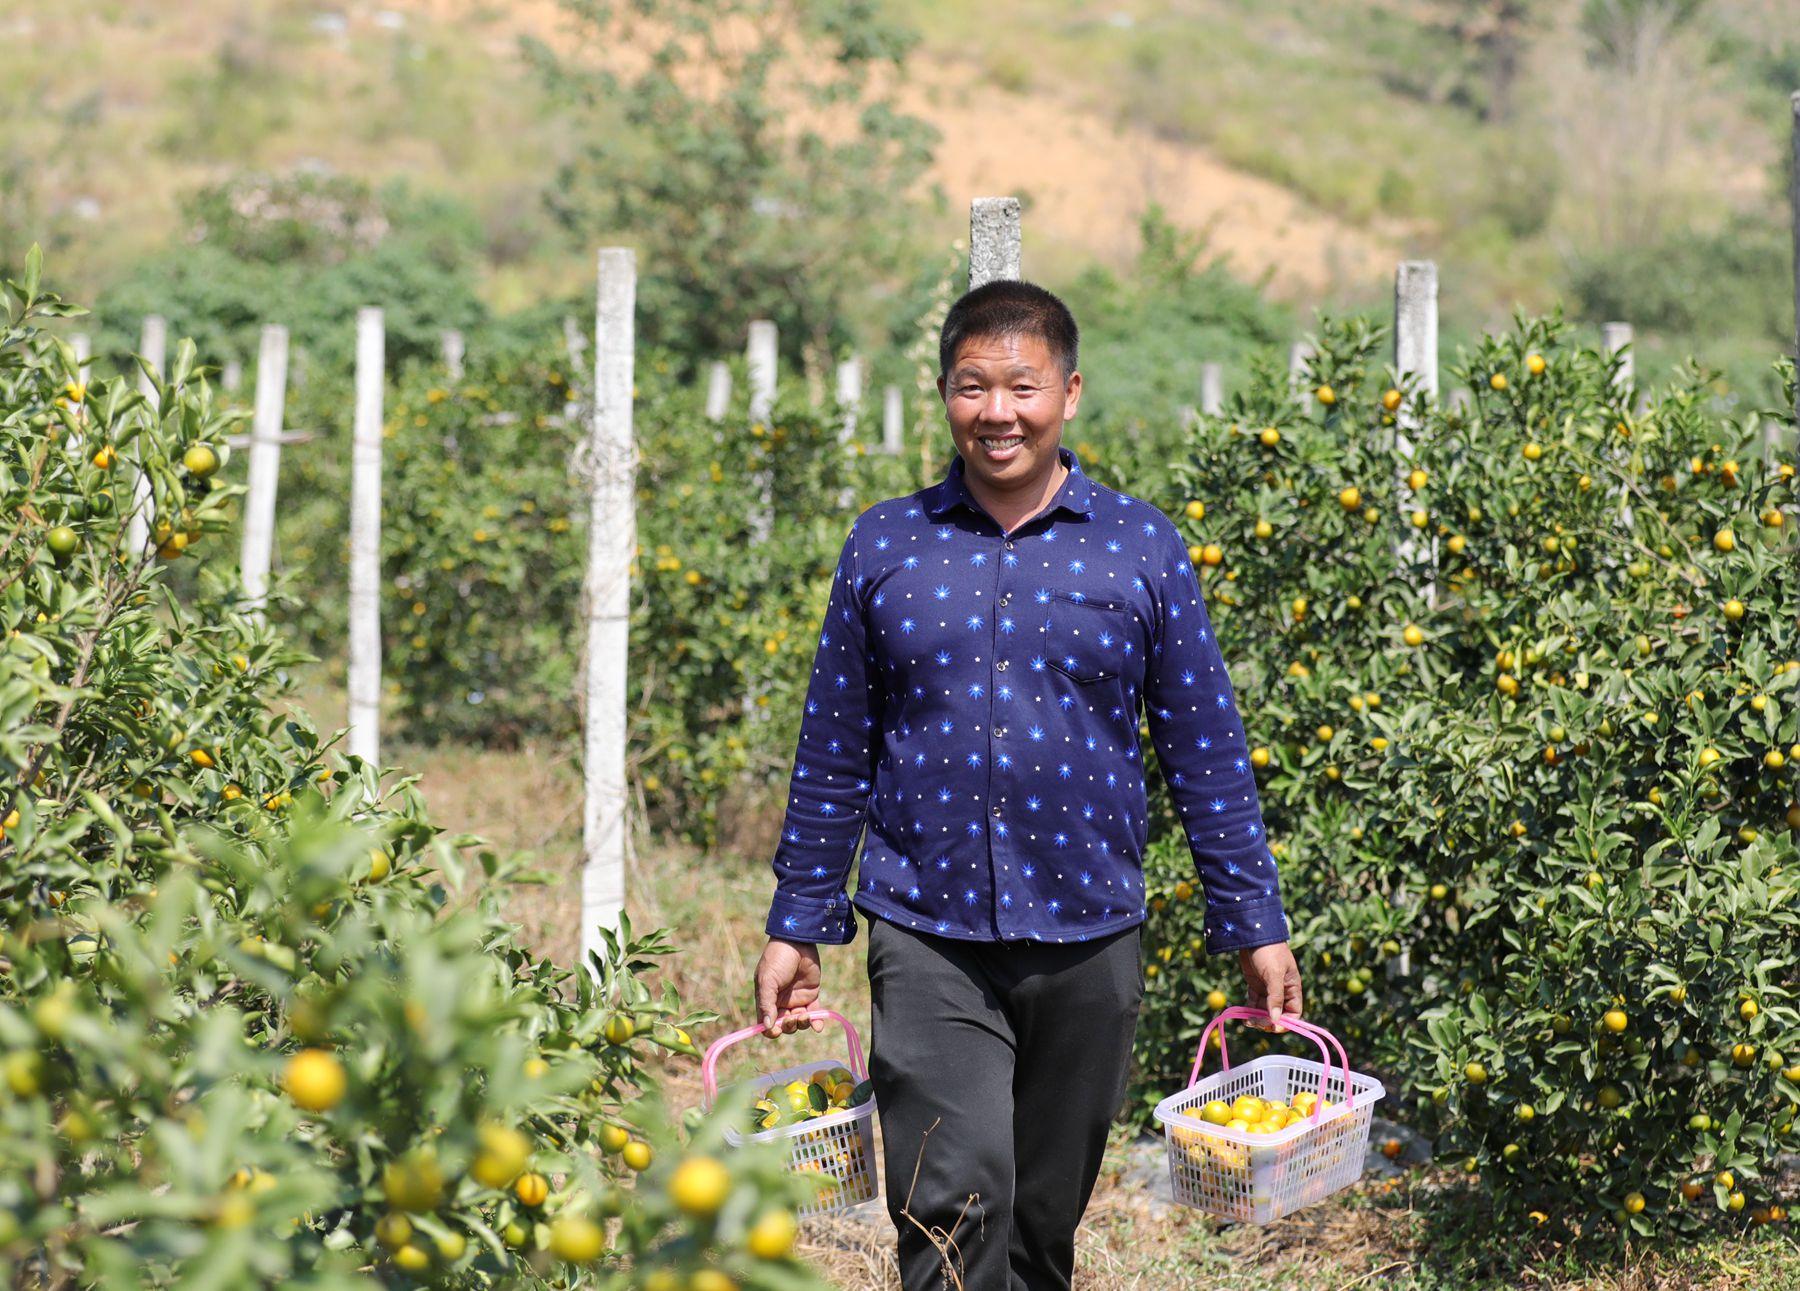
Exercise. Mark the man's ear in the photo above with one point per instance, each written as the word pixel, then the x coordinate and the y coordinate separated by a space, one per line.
pixel 940 386
pixel 1071 395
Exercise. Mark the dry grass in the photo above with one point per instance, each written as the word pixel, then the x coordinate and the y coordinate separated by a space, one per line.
pixel 1398 1233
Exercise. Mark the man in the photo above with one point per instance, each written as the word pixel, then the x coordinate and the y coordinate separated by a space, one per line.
pixel 975 701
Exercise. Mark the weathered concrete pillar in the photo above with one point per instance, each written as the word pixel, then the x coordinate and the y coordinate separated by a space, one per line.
pixel 231 376
pixel 718 390
pixel 1416 365
pixel 451 341
pixel 1212 389
pixel 1613 338
pixel 255 554
pixel 849 396
pixel 1415 341
pixel 364 739
pixel 153 345
pixel 995 240
pixel 1300 354
pixel 893 421
pixel 612 535
pixel 762 354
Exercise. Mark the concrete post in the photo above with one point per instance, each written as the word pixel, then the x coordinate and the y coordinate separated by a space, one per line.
pixel 1299 355
pixel 718 390
pixel 849 396
pixel 231 377
pixel 1416 365
pixel 995 240
pixel 762 354
pixel 1613 338
pixel 612 535
pixel 258 547
pixel 451 342
pixel 1212 389
pixel 893 420
pixel 364 739
pixel 153 346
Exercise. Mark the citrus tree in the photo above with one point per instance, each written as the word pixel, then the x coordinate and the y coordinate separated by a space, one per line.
pixel 253 1028
pixel 1523 715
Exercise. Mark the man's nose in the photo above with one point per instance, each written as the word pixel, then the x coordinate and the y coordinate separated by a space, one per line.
pixel 997 408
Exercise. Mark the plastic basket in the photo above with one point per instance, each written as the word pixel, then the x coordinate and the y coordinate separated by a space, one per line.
pixel 1258 1178
pixel 838 1146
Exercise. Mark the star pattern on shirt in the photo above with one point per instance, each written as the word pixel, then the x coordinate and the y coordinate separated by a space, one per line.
pixel 974 707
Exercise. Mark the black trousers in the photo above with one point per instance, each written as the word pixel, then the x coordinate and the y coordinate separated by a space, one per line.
pixel 998 1068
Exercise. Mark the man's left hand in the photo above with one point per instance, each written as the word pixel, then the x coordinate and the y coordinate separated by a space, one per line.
pixel 1273 981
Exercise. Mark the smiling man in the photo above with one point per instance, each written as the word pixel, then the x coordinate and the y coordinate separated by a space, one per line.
pixel 974 702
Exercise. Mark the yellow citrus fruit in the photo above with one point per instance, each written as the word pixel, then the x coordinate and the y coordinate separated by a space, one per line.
pixel 1212 554
pixel 1350 498
pixel 619 1029
pixel 576 1238
pixel 1498 381
pixel 504 1154
pixel 1748 1009
pixel 637 1155
pixel 412 1259
pixel 613 1138
pixel 1259 757
pixel 450 1247
pixel 1216 1112
pixel 1615 1020
pixel 711 1280
pixel 314 1080
pixel 393 1230
pixel 1532 451
pixel 700 1186
pixel 1534 363
pixel 1634 1202
pixel 1196 510
pixel 531 1189
pixel 1734 609
pixel 1735 1202
pixel 1215 1000
pixel 1326 395
pixel 772 1236
pixel 415 1182
pixel 1413 635
pixel 200 461
pixel 1725 540
pixel 1475 1073
pixel 1390 399
pixel 1270 436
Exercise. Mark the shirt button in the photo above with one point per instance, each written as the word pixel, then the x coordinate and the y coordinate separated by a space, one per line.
pixel 1006 599
pixel 999 730
pixel 1000 666
pixel 1009 544
pixel 996 810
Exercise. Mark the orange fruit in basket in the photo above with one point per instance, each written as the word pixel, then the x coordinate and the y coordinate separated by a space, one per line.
pixel 1217 1112
pixel 1238 1123
pixel 1248 1106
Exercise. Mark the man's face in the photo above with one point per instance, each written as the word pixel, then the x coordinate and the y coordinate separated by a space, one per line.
pixel 1006 401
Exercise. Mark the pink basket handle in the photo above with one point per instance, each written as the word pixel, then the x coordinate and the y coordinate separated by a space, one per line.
pixel 1317 1034
pixel 709 1067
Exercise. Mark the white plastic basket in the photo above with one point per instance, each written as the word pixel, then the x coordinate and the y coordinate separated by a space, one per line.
pixel 1258 1178
pixel 838 1146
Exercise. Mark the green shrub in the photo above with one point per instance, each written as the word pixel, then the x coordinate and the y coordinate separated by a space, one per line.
pixel 251 1029
pixel 1568 792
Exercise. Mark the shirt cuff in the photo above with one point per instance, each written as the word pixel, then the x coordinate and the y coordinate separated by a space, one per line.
pixel 808 919
pixel 1251 924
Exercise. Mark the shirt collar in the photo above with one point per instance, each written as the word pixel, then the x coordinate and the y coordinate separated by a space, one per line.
pixel 1076 495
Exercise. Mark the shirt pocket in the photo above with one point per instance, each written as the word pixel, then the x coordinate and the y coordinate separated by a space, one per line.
pixel 1084 637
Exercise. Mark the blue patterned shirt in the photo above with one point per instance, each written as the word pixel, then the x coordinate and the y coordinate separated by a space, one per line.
pixel 974 701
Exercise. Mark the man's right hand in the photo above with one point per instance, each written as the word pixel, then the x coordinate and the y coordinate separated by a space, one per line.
pixel 787 985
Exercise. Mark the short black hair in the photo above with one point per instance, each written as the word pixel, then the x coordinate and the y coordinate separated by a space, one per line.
pixel 1008 307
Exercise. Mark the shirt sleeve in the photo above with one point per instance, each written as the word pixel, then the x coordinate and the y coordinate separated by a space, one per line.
pixel 1205 758
pixel 828 794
